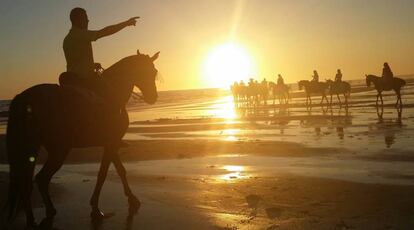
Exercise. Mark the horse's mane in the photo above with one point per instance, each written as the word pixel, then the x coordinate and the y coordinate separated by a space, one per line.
pixel 127 60
pixel 124 65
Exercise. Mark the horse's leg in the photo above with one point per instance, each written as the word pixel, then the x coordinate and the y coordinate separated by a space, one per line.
pixel 382 102
pixel 103 170
pixel 346 100
pixel 133 201
pixel 30 221
pixel 398 98
pixel 330 103
pixel 324 97
pixel 53 163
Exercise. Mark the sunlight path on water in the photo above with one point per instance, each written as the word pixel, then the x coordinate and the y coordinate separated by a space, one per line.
pixel 223 108
pixel 235 172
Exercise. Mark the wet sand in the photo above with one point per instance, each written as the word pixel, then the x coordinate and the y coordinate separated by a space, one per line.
pixel 280 202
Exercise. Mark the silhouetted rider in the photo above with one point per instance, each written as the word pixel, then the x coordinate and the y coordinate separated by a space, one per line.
pixel 280 80
pixel 338 76
pixel 315 77
pixel 78 48
pixel 387 74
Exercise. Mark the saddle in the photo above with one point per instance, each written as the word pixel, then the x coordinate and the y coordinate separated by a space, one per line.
pixel 91 90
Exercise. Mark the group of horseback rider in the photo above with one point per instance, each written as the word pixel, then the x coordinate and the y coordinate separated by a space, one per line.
pixel 259 91
pixel 387 75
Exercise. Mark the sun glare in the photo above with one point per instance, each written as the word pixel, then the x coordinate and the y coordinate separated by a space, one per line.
pixel 234 172
pixel 225 64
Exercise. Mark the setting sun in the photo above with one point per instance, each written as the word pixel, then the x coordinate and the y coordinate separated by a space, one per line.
pixel 227 63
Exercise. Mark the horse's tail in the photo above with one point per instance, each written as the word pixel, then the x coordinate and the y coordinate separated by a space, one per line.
pixel 20 154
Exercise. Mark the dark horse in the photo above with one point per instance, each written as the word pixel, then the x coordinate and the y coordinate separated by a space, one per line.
pixel 60 118
pixel 318 88
pixel 395 84
pixel 280 91
pixel 337 88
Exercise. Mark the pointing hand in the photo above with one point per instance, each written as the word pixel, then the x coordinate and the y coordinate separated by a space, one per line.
pixel 132 21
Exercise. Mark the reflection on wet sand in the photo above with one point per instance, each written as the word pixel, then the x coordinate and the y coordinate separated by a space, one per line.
pixel 99 224
pixel 389 126
pixel 234 172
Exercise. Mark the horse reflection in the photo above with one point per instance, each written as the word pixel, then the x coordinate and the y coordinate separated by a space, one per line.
pixel 390 126
pixel 336 119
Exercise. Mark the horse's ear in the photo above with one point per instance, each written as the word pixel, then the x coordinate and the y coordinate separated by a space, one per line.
pixel 138 52
pixel 155 56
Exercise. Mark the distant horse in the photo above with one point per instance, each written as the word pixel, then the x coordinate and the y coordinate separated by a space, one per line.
pixel 60 118
pixel 263 92
pixel 337 88
pixel 395 84
pixel 235 91
pixel 280 91
pixel 318 88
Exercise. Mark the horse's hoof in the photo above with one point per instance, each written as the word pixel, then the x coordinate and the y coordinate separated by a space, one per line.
pixel 97 215
pixel 134 204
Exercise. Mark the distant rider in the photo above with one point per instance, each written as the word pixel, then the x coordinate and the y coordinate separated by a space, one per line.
pixel 264 82
pixel 315 77
pixel 338 76
pixel 387 74
pixel 280 80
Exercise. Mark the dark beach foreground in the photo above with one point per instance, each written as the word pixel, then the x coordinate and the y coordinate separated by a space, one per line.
pixel 279 202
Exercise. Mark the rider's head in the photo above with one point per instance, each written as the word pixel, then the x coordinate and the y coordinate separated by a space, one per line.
pixel 386 64
pixel 339 70
pixel 79 18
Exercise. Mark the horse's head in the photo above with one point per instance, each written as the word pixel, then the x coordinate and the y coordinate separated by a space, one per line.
pixel 144 76
pixel 302 83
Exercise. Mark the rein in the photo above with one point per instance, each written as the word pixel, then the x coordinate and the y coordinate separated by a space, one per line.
pixel 135 95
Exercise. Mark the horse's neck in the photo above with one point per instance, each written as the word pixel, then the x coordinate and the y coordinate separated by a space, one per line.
pixel 120 87
pixel 374 79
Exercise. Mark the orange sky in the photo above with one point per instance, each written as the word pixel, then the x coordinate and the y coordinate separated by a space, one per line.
pixel 288 37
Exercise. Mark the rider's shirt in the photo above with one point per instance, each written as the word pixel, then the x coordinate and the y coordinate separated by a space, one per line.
pixel 338 77
pixel 387 73
pixel 78 51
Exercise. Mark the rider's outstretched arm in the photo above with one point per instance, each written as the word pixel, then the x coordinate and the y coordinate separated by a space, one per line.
pixel 109 30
